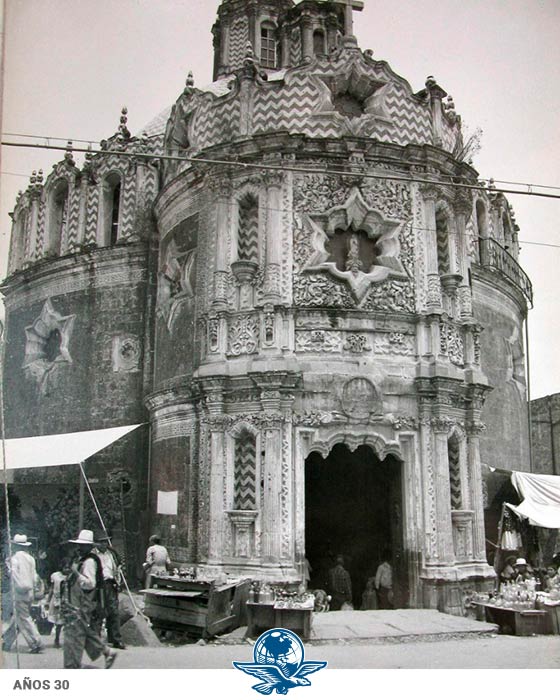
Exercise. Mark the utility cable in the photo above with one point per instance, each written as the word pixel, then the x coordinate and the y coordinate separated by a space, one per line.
pixel 357 172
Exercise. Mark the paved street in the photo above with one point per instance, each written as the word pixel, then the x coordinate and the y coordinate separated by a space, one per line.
pixel 484 653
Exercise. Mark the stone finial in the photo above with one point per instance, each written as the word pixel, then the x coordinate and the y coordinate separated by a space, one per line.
pixel 189 84
pixel 124 133
pixel 430 82
pixel 40 177
pixel 368 53
pixel 33 178
pixel 491 184
pixel 249 53
pixel 68 155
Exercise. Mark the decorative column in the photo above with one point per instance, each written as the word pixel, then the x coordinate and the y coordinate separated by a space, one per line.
pixel 307 37
pixel 35 241
pixel 332 32
pixel 274 182
pixel 286 46
pixel 430 195
pixel 216 425
pixel 252 14
pixel 436 96
pixel 474 429
pixel 445 553
pixel 221 189
pixel 463 209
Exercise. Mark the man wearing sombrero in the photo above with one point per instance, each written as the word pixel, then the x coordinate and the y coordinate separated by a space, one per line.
pixel 79 600
pixel 23 572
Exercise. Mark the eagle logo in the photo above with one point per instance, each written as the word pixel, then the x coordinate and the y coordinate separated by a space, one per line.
pixel 278 663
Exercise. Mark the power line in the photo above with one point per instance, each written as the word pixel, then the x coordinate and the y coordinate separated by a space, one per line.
pixel 282 168
pixel 91 141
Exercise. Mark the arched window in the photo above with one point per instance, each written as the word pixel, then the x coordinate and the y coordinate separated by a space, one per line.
pixel 58 216
pixel 268 45
pixel 245 472
pixel 248 229
pixel 442 231
pixel 111 209
pixel 319 43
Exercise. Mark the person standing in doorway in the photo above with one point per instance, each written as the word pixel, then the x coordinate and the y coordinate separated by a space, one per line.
pixel 340 585
pixel 80 595
pixel 23 572
pixel 112 579
pixel 384 582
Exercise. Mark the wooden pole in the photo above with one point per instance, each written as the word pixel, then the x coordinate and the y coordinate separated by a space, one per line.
pixel 81 502
pixel 498 557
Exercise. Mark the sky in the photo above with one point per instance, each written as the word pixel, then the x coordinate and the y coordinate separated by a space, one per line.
pixel 70 66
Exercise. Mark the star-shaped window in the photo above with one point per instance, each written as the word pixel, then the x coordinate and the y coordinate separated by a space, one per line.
pixel 356 244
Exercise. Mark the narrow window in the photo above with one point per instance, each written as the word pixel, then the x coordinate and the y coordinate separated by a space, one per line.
pixel 111 209
pixel 318 43
pixel 268 45
pixel 59 216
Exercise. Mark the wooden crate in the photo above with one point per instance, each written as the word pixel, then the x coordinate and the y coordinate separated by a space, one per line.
pixel 265 616
pixel 201 609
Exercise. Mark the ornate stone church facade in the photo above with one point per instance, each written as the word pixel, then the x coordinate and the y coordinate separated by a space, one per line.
pixel 328 290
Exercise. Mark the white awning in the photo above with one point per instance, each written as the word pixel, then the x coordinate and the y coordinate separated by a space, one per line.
pixel 61 449
pixel 541 498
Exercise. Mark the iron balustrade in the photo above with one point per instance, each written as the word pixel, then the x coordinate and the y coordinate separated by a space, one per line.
pixel 495 256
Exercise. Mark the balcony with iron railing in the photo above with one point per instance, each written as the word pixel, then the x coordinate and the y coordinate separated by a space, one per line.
pixel 496 257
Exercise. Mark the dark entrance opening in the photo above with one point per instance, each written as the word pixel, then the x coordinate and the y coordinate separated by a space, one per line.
pixel 353 507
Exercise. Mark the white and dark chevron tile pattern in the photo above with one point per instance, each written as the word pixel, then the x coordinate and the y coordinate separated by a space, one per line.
pixel 455 475
pixel 244 486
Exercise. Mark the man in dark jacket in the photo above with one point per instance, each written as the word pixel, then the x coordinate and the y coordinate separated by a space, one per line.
pixel 112 579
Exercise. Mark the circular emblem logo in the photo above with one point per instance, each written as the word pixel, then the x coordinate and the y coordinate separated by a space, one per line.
pixel 281 648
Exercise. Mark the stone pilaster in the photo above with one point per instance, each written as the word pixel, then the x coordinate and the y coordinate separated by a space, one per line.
pixel 445 553
pixel 307 37
pixel 474 430
pixel 274 238
pixel 221 189
pixel 434 301
pixel 463 207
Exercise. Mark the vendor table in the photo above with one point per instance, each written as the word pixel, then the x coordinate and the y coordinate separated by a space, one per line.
pixel 522 623
pixel 200 608
pixel 265 616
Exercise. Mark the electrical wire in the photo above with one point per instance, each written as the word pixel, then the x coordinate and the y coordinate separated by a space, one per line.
pixel 284 168
pixel 90 141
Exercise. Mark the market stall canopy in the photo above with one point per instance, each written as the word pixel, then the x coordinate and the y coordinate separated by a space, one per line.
pixel 541 498
pixel 61 449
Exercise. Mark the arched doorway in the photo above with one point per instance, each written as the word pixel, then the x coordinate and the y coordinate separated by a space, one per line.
pixel 353 507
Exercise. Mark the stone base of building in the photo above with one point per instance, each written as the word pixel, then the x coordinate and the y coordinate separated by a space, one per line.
pixel 446 588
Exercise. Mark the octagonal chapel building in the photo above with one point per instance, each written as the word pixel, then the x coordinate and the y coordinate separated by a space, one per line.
pixel 319 323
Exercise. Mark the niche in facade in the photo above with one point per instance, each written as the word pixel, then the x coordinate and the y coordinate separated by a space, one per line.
pixel 47 345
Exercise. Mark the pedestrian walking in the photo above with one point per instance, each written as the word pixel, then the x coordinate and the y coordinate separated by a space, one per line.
pixel 79 600
pixel 54 599
pixel 112 580
pixel 22 569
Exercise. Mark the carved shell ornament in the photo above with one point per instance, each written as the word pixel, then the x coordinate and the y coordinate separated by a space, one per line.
pixel 46 344
pixel 356 244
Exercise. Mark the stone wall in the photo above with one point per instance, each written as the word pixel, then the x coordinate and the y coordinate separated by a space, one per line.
pixel 545 424
pixel 505 443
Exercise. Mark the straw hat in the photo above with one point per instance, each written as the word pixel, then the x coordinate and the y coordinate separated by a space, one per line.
pixel 21 540
pixel 85 537
pixel 520 562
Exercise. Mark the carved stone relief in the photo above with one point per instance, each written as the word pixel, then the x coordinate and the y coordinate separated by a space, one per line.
pixel 47 344
pixel 360 399
pixel 318 341
pixel 243 335
pixel 126 353
pixel 395 344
